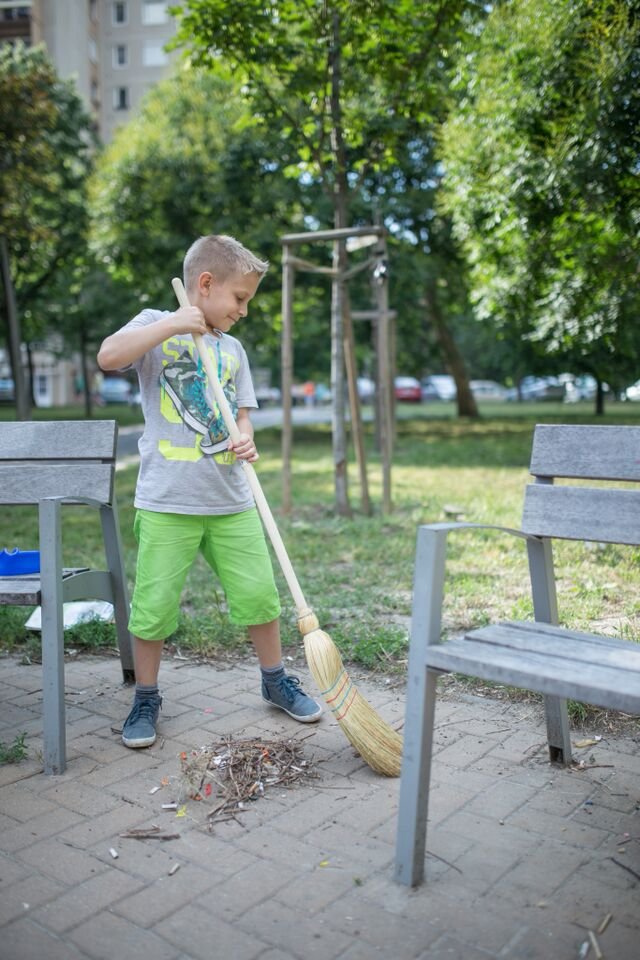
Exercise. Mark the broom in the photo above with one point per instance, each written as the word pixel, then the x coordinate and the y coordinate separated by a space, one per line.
pixel 378 744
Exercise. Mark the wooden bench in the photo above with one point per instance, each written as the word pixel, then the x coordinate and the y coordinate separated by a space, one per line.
pixel 49 464
pixel 539 656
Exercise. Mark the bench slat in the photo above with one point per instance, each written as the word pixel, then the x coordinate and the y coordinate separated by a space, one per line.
pixel 582 513
pixel 587 452
pixel 561 643
pixel 30 482
pixel 19 593
pixel 59 440
pixel 24 591
pixel 613 687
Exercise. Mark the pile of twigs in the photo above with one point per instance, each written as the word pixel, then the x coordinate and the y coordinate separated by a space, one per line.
pixel 231 773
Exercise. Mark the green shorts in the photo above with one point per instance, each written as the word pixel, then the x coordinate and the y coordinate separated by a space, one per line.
pixel 233 545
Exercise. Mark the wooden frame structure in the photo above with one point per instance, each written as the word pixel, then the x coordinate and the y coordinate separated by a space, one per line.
pixel 342 357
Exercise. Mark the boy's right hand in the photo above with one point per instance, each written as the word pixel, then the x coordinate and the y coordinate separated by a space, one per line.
pixel 189 320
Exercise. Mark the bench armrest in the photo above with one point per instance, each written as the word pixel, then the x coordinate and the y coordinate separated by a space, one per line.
pixel 429 572
pixel 446 527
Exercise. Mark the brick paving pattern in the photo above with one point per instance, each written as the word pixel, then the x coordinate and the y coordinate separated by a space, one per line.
pixel 524 858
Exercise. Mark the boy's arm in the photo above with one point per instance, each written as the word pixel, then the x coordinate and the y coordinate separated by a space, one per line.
pixel 244 448
pixel 127 345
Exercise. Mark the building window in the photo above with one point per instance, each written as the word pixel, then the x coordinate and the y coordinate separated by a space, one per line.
pixel 93 11
pixel 16 13
pixel 153 55
pixel 95 93
pixel 120 57
pixel 155 12
pixel 42 385
pixel 121 98
pixel 119 12
pixel 93 50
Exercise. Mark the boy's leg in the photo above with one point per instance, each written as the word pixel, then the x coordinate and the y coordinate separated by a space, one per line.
pixel 147 655
pixel 265 638
pixel 235 547
pixel 167 545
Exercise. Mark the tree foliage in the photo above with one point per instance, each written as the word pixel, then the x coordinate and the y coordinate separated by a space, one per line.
pixel 541 163
pixel 48 144
pixel 45 159
pixel 193 162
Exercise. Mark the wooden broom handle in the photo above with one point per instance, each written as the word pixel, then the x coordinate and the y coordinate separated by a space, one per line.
pixel 252 478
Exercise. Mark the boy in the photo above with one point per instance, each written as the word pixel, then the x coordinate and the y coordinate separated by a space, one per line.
pixel 192 494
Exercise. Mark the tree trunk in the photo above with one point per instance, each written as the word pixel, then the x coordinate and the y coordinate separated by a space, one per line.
pixel 467 406
pixel 23 408
pixel 88 399
pixel 30 387
pixel 340 189
pixel 599 398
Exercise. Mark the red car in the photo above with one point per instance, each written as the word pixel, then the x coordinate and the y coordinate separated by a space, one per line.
pixel 408 389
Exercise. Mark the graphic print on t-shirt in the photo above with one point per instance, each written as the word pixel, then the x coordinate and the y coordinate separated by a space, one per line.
pixel 185 384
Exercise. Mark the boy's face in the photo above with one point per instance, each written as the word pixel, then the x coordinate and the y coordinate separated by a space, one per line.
pixel 225 302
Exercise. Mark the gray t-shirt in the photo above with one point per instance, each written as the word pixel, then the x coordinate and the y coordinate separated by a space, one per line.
pixel 184 463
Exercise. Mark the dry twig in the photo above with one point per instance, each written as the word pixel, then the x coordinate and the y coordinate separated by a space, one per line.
pixel 149 833
pixel 234 772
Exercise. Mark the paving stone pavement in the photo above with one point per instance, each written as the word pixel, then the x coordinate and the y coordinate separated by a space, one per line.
pixel 524 858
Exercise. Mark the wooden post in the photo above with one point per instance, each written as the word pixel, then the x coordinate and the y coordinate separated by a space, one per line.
pixel 385 398
pixel 339 437
pixel 287 375
pixel 342 352
pixel 354 404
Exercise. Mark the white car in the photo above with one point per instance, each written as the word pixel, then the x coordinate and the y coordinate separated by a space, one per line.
pixel 488 390
pixel 633 392
pixel 439 386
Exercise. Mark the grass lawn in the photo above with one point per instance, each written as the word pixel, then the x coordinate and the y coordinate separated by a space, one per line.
pixel 357 573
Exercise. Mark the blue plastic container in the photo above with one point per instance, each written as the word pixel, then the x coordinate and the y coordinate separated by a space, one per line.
pixel 13 563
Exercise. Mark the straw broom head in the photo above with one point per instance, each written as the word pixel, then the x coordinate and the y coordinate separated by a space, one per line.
pixel 378 744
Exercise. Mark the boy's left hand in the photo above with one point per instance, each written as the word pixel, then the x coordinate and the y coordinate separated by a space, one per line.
pixel 244 448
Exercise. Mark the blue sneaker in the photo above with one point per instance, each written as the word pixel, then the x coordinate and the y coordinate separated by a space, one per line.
pixel 287 694
pixel 139 728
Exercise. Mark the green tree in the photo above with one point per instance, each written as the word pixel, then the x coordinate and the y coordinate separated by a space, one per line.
pixel 45 159
pixel 192 163
pixel 344 82
pixel 541 166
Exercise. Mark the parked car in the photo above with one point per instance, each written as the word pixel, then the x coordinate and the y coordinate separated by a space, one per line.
pixel 633 392
pixel 538 388
pixel 579 388
pixel 438 386
pixel 407 389
pixel 487 390
pixel 115 390
pixel 7 391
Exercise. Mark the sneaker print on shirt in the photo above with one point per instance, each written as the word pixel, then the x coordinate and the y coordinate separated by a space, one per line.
pixel 185 383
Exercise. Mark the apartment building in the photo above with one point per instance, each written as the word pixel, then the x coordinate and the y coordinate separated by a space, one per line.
pixel 114 49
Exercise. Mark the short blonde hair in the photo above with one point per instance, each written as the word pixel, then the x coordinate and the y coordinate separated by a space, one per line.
pixel 222 256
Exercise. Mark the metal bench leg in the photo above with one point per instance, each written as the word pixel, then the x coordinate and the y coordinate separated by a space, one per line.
pixel 558 736
pixel 55 760
pixel 545 609
pixel 415 779
pixel 426 619
pixel 115 564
